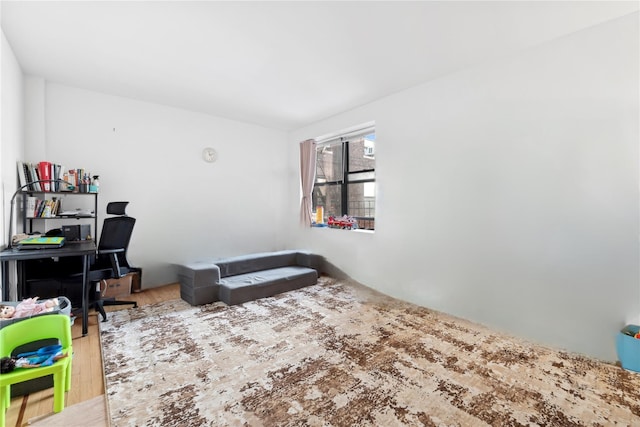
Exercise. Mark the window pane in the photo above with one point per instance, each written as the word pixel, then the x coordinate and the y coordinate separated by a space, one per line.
pixel 361 204
pixel 328 196
pixel 329 163
pixel 369 189
pixel 362 153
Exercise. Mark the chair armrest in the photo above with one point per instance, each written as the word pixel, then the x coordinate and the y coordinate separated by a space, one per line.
pixel 109 251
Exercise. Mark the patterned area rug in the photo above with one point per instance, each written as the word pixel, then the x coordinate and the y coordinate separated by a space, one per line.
pixel 340 354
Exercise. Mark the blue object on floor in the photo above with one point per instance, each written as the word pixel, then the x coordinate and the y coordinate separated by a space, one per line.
pixel 628 348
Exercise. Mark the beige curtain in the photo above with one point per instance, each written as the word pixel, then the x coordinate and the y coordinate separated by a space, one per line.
pixel 307 178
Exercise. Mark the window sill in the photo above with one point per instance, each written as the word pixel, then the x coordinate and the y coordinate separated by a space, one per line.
pixel 357 230
pixel 362 230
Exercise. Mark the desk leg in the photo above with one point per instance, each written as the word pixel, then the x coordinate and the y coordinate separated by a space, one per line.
pixel 5 281
pixel 85 295
pixel 21 286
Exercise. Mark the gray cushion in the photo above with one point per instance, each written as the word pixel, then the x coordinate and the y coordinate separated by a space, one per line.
pixel 261 284
pixel 256 262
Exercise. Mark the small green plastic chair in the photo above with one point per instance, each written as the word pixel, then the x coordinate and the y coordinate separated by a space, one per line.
pixel 56 326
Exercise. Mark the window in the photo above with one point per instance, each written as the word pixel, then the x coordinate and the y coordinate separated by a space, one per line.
pixel 346 177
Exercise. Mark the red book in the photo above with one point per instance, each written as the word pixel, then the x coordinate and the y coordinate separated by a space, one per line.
pixel 44 169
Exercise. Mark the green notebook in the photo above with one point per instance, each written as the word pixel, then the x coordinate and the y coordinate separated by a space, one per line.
pixel 41 243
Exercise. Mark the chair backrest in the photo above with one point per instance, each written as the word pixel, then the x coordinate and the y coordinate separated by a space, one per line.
pixel 116 232
pixel 56 326
pixel 117 208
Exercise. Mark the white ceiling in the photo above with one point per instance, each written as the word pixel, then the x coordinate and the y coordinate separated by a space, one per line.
pixel 277 64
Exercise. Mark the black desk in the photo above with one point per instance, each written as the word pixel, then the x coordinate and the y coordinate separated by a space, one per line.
pixel 83 249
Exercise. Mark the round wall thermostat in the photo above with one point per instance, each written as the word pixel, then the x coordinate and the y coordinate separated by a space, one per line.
pixel 209 155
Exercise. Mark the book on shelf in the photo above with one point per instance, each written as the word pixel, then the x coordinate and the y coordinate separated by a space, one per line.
pixel 57 176
pixel 36 208
pixel 39 209
pixel 32 202
pixel 22 178
pixel 61 185
pixel 44 172
pixel 29 177
pixel 72 177
pixel 34 174
pixel 43 208
pixel 29 173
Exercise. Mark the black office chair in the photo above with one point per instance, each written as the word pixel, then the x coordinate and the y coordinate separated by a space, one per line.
pixel 111 260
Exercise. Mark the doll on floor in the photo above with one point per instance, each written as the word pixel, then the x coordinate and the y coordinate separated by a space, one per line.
pixel 28 307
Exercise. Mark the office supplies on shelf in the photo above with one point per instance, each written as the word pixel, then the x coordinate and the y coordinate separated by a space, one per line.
pixel 77 212
pixel 75 232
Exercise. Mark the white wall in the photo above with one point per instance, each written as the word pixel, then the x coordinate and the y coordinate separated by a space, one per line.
pixel 150 155
pixel 11 130
pixel 508 193
pixel 35 133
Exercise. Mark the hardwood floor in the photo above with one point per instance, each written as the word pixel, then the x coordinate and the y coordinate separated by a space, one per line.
pixel 87 378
